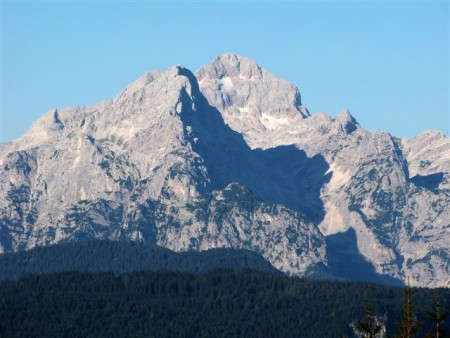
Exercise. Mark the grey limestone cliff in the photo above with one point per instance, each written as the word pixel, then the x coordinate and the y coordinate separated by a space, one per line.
pixel 231 157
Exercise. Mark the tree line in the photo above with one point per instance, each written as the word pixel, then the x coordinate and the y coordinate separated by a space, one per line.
pixel 220 303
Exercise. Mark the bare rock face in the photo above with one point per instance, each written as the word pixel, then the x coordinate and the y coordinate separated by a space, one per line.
pixel 393 193
pixel 231 158
pixel 249 97
pixel 127 168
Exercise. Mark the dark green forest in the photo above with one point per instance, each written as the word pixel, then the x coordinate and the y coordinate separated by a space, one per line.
pixel 221 303
pixel 119 257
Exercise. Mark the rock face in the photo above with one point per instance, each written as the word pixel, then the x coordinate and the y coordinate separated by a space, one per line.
pixel 231 158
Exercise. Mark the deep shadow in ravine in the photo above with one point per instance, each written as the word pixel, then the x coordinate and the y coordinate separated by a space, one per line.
pixel 345 261
pixel 283 175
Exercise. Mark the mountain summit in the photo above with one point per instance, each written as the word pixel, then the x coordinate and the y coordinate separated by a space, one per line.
pixel 249 97
pixel 231 158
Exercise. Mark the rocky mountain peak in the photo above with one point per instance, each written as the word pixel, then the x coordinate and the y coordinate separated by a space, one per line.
pixel 173 80
pixel 250 98
pixel 232 65
pixel 346 122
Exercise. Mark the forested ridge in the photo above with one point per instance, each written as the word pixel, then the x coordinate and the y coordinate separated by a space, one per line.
pixel 124 256
pixel 213 304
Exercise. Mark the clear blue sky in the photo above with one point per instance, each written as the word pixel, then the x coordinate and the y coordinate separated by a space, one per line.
pixel 386 62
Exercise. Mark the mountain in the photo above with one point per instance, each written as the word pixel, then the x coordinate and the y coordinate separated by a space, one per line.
pixel 123 257
pixel 231 158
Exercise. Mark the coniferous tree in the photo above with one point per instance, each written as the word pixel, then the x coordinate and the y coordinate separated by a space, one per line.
pixel 409 325
pixel 437 316
pixel 371 327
